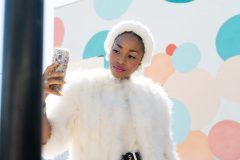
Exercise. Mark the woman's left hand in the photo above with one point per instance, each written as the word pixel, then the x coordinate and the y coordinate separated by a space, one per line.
pixel 51 77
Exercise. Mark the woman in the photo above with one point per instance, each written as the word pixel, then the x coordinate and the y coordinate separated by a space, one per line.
pixel 110 115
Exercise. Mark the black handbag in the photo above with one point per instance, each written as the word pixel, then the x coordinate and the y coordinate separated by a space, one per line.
pixel 132 156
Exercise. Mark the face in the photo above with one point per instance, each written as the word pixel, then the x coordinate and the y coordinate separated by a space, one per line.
pixel 126 55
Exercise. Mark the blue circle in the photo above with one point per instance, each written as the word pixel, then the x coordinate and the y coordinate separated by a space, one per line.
pixel 95 46
pixel 111 9
pixel 228 38
pixel 186 57
pixel 179 1
pixel 180 121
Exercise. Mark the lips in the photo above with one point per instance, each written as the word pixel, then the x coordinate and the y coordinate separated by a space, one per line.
pixel 118 69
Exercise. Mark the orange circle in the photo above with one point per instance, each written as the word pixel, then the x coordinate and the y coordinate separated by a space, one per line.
pixel 161 68
pixel 170 49
pixel 195 147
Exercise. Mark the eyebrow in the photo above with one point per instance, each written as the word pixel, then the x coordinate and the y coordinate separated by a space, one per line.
pixel 131 50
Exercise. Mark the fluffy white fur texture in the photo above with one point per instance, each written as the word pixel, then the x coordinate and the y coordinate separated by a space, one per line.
pixel 100 118
pixel 137 28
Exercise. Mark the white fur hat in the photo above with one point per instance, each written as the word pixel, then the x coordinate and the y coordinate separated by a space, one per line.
pixel 137 28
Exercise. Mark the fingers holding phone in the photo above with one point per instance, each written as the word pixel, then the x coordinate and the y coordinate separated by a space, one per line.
pixel 53 78
pixel 54 74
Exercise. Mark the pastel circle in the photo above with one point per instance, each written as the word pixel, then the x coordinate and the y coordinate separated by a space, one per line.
pixel 228 78
pixel 179 1
pixel 198 92
pixel 95 46
pixel 111 9
pixel 161 68
pixel 58 32
pixel 224 140
pixel 170 49
pixel 186 57
pixel 195 147
pixel 180 121
pixel 228 38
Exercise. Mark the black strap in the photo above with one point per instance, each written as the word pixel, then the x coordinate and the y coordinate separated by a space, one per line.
pixel 130 156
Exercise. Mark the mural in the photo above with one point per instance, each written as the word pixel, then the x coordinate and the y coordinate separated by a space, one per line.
pixel 197 60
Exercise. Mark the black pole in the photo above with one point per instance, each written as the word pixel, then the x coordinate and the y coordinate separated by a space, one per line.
pixel 21 81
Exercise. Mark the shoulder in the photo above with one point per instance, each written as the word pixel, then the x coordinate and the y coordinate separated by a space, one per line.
pixel 86 78
pixel 79 75
pixel 80 85
pixel 152 90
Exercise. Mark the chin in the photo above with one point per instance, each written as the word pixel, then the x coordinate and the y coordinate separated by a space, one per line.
pixel 119 76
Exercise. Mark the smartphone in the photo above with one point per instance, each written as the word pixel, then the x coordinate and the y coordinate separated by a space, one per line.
pixel 61 57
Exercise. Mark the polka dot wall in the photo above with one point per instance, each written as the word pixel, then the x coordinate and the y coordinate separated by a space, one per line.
pixel 197 60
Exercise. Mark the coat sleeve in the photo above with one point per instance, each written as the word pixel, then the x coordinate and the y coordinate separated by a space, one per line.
pixel 61 112
pixel 155 121
pixel 64 112
pixel 169 145
pixel 163 114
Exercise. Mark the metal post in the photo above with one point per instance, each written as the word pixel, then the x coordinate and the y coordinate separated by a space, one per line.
pixel 20 127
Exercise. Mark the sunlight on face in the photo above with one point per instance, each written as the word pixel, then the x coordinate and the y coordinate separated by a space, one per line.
pixel 126 55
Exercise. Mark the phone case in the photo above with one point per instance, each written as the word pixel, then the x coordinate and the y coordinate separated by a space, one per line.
pixel 60 56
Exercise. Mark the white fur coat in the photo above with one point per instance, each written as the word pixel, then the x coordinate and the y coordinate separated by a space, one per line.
pixel 100 118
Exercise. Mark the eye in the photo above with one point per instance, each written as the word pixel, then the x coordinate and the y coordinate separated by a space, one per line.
pixel 115 51
pixel 131 57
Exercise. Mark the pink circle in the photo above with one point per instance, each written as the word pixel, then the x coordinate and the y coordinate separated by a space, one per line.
pixel 224 140
pixel 170 49
pixel 58 32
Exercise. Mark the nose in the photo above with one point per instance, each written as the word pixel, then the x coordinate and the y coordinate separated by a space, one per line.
pixel 121 59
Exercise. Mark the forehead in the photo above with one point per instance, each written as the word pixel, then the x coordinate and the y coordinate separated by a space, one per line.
pixel 127 35
pixel 129 39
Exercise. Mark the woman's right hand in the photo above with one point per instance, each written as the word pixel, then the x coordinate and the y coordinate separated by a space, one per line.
pixel 50 78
